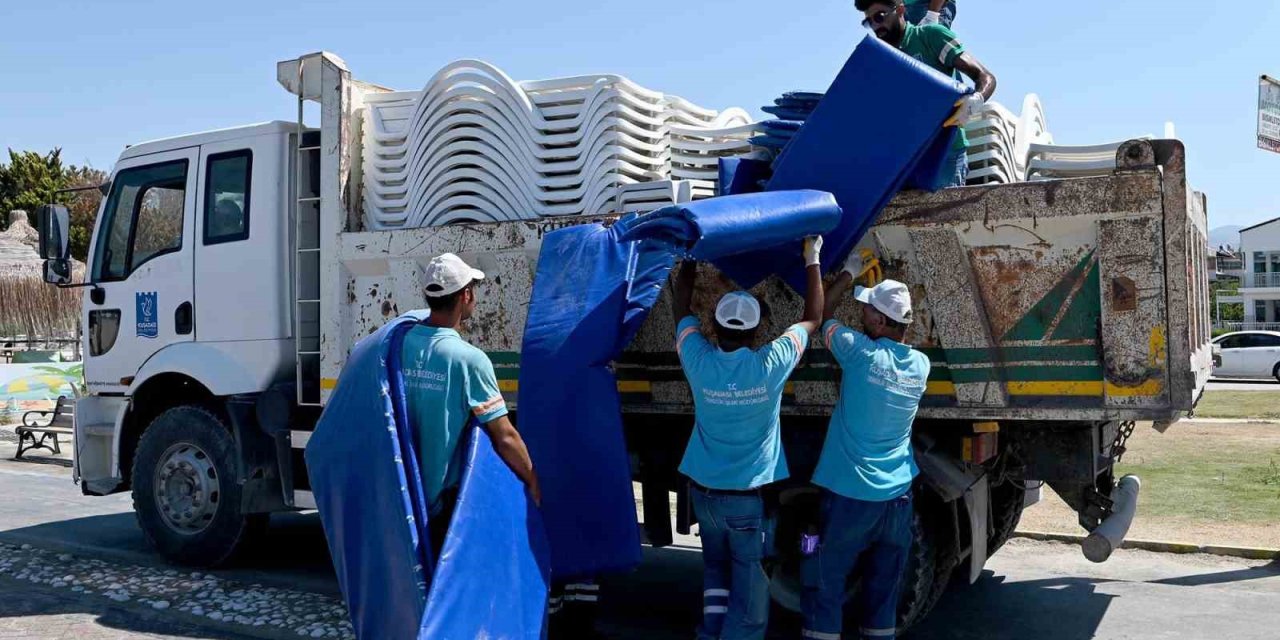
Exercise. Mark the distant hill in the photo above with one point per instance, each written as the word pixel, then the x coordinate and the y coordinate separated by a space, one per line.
pixel 1228 234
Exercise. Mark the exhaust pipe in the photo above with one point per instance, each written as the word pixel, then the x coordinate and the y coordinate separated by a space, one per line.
pixel 1111 533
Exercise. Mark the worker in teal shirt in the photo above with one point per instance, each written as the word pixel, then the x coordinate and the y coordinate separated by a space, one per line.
pixel 736 445
pixel 866 467
pixel 938 47
pixel 448 383
pixel 926 12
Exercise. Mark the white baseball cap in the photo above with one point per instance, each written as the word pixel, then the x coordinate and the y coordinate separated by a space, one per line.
pixel 889 297
pixel 738 310
pixel 448 274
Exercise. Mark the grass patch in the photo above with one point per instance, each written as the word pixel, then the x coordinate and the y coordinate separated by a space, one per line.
pixel 1239 405
pixel 1211 475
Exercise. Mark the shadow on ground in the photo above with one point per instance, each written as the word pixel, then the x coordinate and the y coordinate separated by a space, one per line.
pixel 293 553
pixel 28 611
pixel 1063 608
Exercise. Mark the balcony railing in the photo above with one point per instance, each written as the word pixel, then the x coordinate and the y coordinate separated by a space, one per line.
pixel 1259 280
pixel 1248 326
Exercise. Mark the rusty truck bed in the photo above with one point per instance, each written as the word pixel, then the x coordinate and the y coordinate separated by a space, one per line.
pixel 1081 299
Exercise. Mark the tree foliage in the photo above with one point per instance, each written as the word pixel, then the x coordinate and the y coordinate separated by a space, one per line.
pixel 31 179
pixel 83 206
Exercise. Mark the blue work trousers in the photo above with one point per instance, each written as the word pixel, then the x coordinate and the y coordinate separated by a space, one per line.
pixel 735 589
pixel 878 533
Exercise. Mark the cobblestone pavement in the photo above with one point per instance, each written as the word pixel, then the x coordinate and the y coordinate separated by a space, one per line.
pixel 32 612
pixel 168 599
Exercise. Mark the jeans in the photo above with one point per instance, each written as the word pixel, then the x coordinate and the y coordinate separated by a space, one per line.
pixel 954 171
pixel 878 533
pixel 735 589
pixel 916 11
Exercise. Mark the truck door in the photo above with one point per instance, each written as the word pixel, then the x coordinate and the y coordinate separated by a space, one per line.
pixel 142 265
pixel 241 263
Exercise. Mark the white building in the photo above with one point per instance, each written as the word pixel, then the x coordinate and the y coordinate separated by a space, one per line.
pixel 1260 277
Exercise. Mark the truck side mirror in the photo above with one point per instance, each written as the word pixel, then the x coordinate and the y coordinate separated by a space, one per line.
pixel 55 222
pixel 57 271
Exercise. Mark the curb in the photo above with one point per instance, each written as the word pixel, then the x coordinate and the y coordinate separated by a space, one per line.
pixel 1230 421
pixel 1158 546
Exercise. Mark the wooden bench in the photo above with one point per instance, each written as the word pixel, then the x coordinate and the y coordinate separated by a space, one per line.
pixel 61 422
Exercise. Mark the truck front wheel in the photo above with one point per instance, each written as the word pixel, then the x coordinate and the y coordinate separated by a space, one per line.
pixel 185 491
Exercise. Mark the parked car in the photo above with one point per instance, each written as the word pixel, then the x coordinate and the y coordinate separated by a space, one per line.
pixel 1248 354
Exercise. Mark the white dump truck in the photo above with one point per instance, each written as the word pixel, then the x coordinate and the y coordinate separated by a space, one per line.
pixel 230 274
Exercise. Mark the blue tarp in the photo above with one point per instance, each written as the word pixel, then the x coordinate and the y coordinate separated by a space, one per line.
pixel 591 293
pixel 494 571
pixel 364 474
pixel 875 126
pixel 357 460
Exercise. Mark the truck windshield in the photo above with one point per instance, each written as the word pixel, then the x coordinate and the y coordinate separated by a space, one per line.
pixel 142 219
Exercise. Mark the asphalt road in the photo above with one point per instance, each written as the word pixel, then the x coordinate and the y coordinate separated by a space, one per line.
pixel 1233 384
pixel 1030 590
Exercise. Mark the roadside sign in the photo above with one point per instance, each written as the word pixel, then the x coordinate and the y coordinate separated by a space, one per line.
pixel 1269 114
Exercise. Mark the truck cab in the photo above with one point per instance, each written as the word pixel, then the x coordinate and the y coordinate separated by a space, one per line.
pixel 189 298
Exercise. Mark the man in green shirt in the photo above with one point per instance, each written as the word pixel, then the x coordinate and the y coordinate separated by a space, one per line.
pixel 940 48
pixel 923 12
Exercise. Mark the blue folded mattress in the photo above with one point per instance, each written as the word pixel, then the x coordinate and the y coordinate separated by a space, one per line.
pixel 862 145
pixel 718 228
pixel 362 464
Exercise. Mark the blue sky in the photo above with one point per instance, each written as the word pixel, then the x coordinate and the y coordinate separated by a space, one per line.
pixel 91 77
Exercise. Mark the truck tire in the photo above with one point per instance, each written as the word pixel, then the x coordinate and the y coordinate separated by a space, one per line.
pixel 924 580
pixel 185 491
pixel 1007 502
pixel 929 566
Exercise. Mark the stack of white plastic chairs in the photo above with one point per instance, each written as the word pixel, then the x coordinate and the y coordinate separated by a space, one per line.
pixel 476 146
pixel 1000 142
pixel 1049 161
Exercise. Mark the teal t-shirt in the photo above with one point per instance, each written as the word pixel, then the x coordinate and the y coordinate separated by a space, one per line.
pixel 737 437
pixel 867 454
pixel 938 47
pixel 447 382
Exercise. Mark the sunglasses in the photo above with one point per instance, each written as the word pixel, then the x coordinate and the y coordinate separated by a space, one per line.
pixel 879 18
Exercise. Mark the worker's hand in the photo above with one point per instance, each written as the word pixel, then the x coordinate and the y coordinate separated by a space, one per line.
pixel 932 17
pixel 812 250
pixel 967 108
pixel 853 264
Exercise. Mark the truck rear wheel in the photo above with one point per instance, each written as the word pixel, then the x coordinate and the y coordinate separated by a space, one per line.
pixel 928 567
pixel 1007 502
pixel 926 576
pixel 185 491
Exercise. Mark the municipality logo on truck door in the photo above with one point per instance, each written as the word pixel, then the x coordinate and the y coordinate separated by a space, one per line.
pixel 148 324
